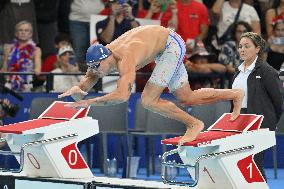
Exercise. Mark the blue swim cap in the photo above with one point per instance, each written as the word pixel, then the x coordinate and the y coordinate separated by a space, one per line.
pixel 95 54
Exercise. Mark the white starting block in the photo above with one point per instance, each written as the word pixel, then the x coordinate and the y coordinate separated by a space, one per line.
pixel 46 149
pixel 222 156
pixel 47 146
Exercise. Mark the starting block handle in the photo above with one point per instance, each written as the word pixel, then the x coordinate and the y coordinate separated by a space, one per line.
pixel 196 165
pixel 7 153
pixel 21 153
pixel 178 165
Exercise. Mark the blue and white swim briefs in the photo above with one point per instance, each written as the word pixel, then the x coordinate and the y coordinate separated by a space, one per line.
pixel 169 70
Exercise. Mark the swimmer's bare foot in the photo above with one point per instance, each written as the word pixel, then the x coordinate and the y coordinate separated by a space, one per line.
pixel 237 104
pixel 192 132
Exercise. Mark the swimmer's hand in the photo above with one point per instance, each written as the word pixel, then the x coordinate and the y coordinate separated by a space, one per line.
pixel 76 93
pixel 79 104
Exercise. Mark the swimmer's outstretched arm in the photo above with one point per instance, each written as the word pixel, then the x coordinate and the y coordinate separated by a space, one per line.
pixel 121 94
pixel 78 91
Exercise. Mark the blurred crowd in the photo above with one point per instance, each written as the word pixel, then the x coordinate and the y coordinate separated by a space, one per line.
pixel 40 36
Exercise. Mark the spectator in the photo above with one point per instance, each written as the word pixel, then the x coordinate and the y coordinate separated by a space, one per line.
pixel 118 22
pixel 229 56
pixel 226 12
pixel 199 63
pixel 50 61
pixel 22 56
pixel 276 43
pixel 261 85
pixel 60 40
pixel 13 12
pixel 276 10
pixel 189 18
pixel 79 23
pixel 65 64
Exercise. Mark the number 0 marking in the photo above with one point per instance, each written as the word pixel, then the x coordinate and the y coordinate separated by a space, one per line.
pixel 33 160
pixel 250 170
pixel 75 157
pixel 5 187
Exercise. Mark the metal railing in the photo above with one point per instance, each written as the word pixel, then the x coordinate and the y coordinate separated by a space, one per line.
pixel 49 76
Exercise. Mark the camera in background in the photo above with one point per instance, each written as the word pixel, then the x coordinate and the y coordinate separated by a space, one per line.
pixel 9 109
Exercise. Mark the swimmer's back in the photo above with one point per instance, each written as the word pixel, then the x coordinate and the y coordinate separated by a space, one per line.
pixel 150 40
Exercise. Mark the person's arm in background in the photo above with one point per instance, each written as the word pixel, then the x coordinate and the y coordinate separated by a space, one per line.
pixel 37 61
pixel 255 25
pixel 216 8
pixel 154 8
pixel 173 22
pixel 270 14
pixel 203 32
pixel 128 15
pixel 275 47
pixel 197 68
pixel 255 21
pixel 204 24
pixel 205 68
pixel 230 69
pixel 107 34
pixel 7 50
pixel 216 67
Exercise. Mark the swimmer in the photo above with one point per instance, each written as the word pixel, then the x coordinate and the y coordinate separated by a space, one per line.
pixel 134 50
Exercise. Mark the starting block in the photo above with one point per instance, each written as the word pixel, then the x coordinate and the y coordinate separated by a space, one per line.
pixel 222 156
pixel 47 146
